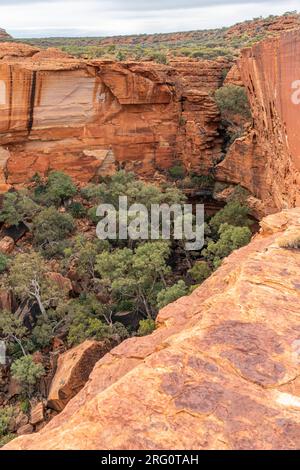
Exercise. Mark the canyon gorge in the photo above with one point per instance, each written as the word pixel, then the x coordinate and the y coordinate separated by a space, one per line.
pixel 221 371
pixel 87 117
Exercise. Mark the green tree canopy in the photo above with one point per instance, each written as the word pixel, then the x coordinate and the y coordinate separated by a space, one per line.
pixel 136 274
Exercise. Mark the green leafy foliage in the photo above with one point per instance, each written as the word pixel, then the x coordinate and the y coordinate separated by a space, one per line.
pixel 233 100
pixel 3 262
pixel 231 238
pixel 29 279
pixel 27 373
pixel 58 188
pixel 77 210
pixel 146 327
pixel 200 271
pixel 136 274
pixel 233 214
pixel 177 172
pixel 170 294
pixel 51 227
pixel 89 319
pixel 6 415
pixel 18 207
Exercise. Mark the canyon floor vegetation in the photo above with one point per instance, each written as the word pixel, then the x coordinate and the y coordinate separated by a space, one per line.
pixel 64 283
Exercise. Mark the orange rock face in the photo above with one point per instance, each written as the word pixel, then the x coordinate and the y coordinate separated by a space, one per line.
pixel 267 161
pixel 73 370
pixel 220 372
pixel 4 34
pixel 85 118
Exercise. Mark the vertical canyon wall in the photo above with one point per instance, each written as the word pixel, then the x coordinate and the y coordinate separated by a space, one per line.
pixel 267 160
pixel 86 117
pixel 89 117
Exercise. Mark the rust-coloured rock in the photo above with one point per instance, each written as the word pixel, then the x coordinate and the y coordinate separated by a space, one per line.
pixel 7 245
pixel 86 117
pixel 73 370
pixel 26 429
pixel 4 34
pixel 63 283
pixel 37 414
pixel 267 160
pixel 220 372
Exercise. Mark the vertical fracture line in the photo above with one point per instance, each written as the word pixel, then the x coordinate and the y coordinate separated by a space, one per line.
pixel 32 101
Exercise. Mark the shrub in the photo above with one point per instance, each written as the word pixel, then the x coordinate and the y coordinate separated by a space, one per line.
pixel 170 294
pixel 6 439
pixel 92 215
pixel 25 406
pixel 231 238
pixel 18 207
pixel 6 415
pixel 135 274
pixel 232 99
pixel 51 226
pixel 146 327
pixel 233 214
pixel 292 243
pixel 159 57
pixel 86 326
pixel 77 210
pixel 59 188
pixel 3 262
pixel 27 373
pixel 177 172
pixel 200 271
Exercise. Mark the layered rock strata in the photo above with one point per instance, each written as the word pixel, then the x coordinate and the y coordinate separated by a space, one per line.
pixel 267 160
pixel 86 117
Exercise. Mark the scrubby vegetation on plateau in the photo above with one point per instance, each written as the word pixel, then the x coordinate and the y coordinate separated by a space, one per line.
pixel 161 48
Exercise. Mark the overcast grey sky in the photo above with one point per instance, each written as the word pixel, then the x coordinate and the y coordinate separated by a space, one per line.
pixel 29 18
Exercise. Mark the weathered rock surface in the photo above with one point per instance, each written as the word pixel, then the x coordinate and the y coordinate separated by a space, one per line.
pixel 7 245
pixel 85 117
pixel 4 34
pixel 221 371
pixel 73 370
pixel 267 160
pixel 37 414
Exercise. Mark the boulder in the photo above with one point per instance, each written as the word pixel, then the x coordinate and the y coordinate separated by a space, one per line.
pixel 7 245
pixel 73 370
pixel 37 414
pixel 26 429
pixel 63 282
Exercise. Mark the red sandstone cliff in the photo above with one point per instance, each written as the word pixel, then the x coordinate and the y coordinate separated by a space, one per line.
pixel 267 160
pixel 221 371
pixel 86 117
pixel 4 34
pixel 81 117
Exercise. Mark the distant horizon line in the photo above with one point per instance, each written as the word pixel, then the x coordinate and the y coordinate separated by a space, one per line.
pixel 59 33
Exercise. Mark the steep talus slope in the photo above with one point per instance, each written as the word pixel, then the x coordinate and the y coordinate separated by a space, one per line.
pixel 221 372
pixel 267 160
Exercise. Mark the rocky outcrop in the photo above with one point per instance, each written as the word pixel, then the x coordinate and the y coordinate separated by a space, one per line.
pixel 267 160
pixel 73 370
pixel 220 372
pixel 4 34
pixel 7 245
pixel 86 117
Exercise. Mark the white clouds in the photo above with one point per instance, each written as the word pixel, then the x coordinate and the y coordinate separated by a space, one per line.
pixel 107 17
